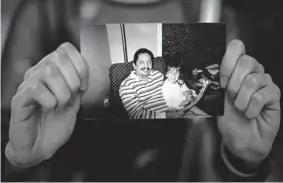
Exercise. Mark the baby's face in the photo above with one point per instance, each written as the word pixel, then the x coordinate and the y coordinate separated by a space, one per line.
pixel 173 74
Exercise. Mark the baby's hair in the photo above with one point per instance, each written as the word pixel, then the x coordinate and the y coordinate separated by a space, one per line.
pixel 171 66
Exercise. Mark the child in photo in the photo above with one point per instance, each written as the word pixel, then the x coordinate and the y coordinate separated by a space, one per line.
pixel 177 95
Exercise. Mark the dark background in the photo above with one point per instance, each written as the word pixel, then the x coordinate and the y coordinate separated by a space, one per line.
pixel 199 45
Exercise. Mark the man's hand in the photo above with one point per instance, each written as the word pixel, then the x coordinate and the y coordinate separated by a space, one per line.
pixel 252 106
pixel 45 106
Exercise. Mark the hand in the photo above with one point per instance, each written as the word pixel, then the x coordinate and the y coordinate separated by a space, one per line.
pixel 252 106
pixel 184 103
pixel 206 83
pixel 45 106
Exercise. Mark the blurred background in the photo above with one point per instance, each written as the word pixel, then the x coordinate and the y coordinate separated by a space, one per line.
pixel 31 29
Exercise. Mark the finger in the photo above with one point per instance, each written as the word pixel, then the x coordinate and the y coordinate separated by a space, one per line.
pixel 251 84
pixel 78 62
pixel 44 62
pixel 266 97
pixel 31 98
pixel 36 93
pixel 244 66
pixel 235 49
pixel 62 61
pixel 52 77
pixel 58 86
pixel 29 73
pixel 76 101
pixel 74 56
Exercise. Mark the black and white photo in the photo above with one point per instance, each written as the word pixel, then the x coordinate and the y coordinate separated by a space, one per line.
pixel 157 70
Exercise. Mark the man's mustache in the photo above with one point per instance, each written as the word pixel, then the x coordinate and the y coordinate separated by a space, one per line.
pixel 145 68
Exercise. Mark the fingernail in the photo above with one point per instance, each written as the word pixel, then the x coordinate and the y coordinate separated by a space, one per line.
pixel 223 81
pixel 84 85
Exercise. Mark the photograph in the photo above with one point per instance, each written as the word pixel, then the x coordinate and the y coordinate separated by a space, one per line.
pixel 155 70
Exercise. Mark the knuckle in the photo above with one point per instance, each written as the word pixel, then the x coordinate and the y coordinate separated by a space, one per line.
pixel 14 101
pixel 232 91
pixel 55 57
pixel 258 98
pixel 66 98
pixel 66 44
pixel 47 71
pixel 253 80
pixel 84 70
pixel 53 72
pixel 48 154
pixel 278 90
pixel 21 87
pixel 32 88
pixel 268 78
pixel 238 105
pixel 246 61
pixel 75 85
pixel 29 72
pixel 52 104
pixel 261 68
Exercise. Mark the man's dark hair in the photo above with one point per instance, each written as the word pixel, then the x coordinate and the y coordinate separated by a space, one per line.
pixel 143 50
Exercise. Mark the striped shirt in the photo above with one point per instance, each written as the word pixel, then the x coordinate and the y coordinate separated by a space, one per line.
pixel 142 98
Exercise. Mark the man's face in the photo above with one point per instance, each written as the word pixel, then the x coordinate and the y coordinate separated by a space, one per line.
pixel 173 74
pixel 143 65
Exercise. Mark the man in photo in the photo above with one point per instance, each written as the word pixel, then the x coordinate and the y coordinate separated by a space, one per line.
pixel 141 91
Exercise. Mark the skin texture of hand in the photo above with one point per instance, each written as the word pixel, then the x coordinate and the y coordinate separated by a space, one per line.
pixel 45 106
pixel 252 106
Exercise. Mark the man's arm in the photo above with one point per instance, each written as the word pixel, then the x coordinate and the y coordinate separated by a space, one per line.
pixel 134 108
pixel 131 103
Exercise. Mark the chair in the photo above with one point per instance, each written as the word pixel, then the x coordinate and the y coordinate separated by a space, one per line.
pixel 117 74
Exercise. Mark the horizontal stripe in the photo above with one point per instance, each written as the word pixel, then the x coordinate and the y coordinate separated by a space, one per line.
pixel 149 85
pixel 134 92
pixel 152 101
pixel 149 96
pixel 125 95
pixel 124 88
pixel 150 92
pixel 132 106
pixel 161 109
pixel 156 104
pixel 130 103
pixel 126 82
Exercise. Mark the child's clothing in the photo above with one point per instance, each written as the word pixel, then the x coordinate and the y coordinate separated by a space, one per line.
pixel 173 94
